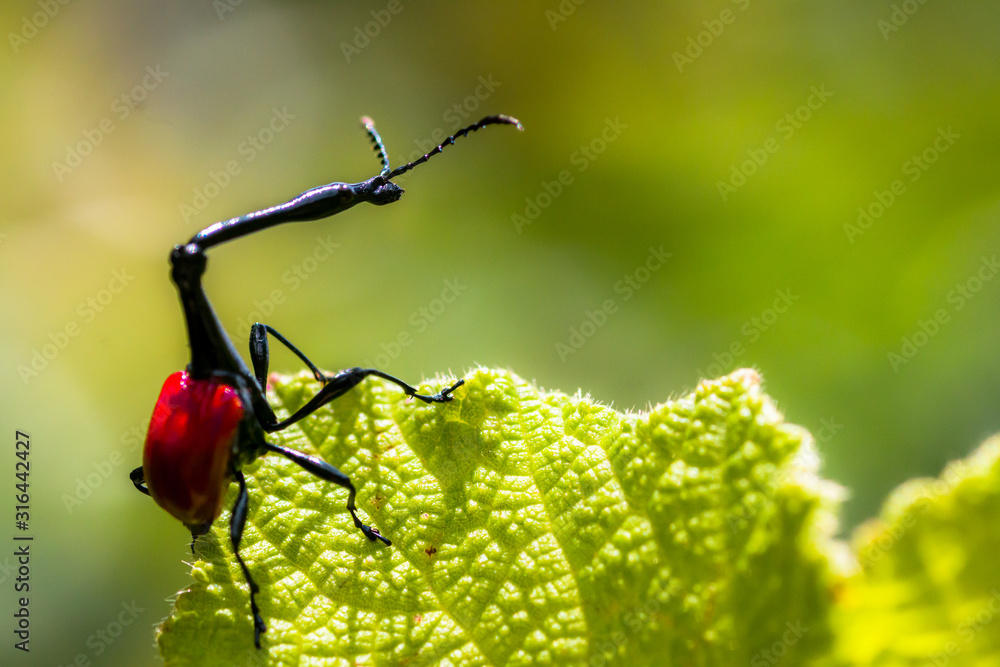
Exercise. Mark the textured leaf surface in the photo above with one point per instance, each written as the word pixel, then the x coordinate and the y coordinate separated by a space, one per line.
pixel 928 588
pixel 528 528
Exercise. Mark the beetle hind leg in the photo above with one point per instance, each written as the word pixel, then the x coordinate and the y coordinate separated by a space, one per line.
pixel 327 472
pixel 236 526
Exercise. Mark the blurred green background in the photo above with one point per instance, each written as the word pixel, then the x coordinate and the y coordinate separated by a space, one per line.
pixel 120 119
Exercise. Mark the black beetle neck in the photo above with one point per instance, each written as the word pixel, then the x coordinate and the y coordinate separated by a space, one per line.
pixel 211 349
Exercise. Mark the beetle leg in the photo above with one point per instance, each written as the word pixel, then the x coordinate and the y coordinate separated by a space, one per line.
pixel 327 472
pixel 236 525
pixel 260 356
pixel 139 480
pixel 334 386
pixel 344 381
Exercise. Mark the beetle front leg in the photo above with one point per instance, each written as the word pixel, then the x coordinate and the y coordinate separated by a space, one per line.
pixel 344 381
pixel 334 386
pixel 236 525
pixel 260 353
pixel 139 480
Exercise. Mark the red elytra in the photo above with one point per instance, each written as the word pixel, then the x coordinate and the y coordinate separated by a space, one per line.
pixel 189 446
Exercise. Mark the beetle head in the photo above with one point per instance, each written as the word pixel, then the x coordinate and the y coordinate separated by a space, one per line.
pixel 385 193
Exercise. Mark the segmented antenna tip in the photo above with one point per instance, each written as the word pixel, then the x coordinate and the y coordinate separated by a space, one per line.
pixel 498 119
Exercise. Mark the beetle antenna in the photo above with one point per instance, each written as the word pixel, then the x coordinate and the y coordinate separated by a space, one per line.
pixel 377 146
pixel 489 120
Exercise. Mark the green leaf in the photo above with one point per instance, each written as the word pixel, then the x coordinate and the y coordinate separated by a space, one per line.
pixel 928 587
pixel 528 527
